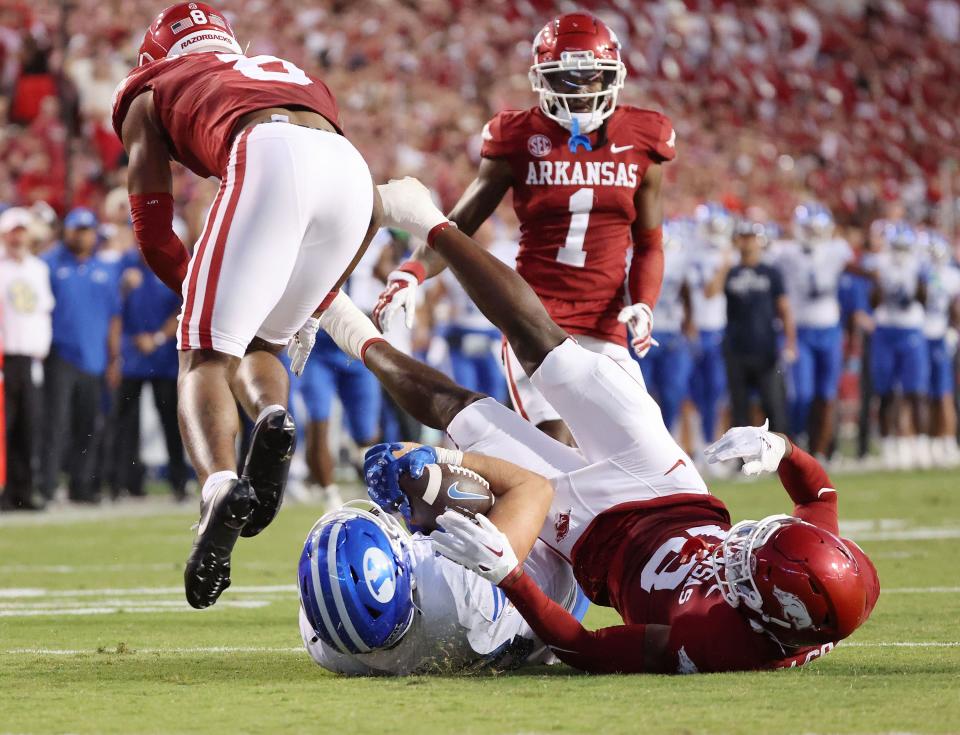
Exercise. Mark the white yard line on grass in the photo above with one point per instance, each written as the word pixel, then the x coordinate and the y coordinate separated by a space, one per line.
pixel 299 650
pixel 14 593
pixel 124 608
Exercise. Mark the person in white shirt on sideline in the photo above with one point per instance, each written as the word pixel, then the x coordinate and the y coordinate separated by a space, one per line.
pixel 26 305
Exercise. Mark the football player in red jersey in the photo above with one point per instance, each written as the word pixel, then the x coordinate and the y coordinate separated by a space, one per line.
pixel 629 510
pixel 586 176
pixel 294 213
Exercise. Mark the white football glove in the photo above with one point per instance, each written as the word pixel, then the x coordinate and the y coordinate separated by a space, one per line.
pixel 408 206
pixel 639 320
pixel 480 547
pixel 760 449
pixel 301 345
pixel 399 295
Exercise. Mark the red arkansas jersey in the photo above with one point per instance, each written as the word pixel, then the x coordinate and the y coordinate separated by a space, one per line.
pixel 200 97
pixel 651 562
pixel 576 209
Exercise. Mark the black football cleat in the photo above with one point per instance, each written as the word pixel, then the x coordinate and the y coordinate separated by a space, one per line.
pixel 267 466
pixel 207 573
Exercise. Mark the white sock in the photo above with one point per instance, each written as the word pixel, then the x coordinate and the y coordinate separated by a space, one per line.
pixel 349 327
pixel 214 481
pixel 268 410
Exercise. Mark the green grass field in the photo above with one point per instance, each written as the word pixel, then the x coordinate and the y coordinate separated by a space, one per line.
pixel 95 637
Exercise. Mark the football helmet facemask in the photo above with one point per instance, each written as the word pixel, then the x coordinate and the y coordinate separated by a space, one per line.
pixel 577 71
pixel 796 581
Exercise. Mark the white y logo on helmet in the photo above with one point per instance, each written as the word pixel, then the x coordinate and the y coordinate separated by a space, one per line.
pixel 793 609
pixel 378 574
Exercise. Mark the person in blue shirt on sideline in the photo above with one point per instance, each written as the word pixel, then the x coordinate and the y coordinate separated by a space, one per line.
pixel 149 354
pixel 85 353
pixel 667 367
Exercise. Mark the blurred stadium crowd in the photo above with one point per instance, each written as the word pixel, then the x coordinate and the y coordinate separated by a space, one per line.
pixel 853 104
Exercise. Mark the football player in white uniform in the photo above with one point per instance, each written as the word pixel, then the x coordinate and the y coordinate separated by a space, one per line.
pixel 942 307
pixel 376 600
pixel 811 264
pixel 898 355
pixel 711 258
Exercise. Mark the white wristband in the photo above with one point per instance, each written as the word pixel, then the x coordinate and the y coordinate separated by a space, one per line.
pixel 448 456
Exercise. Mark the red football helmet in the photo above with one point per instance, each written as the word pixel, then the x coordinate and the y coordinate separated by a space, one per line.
pixel 185 28
pixel 577 70
pixel 801 584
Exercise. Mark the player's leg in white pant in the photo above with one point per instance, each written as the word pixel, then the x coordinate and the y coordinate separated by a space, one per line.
pixel 607 410
pixel 526 400
pixel 336 199
pixel 618 353
pixel 487 427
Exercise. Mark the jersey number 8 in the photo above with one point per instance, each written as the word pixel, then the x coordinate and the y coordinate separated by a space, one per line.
pixel 267 69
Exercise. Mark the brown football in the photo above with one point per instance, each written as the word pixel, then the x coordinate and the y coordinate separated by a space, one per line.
pixel 445 487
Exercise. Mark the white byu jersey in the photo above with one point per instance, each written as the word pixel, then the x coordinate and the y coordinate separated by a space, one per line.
pixel 668 314
pixel 812 278
pixel 899 289
pixel 943 288
pixel 462 621
pixel 709 314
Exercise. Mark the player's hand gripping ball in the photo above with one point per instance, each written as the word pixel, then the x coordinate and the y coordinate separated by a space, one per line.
pixel 420 487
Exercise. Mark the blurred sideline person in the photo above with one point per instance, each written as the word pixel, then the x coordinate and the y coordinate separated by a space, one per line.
pixel 899 359
pixel 329 373
pixel 473 343
pixel 711 256
pixel 942 309
pixel 84 357
pixel 586 177
pixel 383 603
pixel 667 368
pixel 27 303
pixel 628 510
pixel 811 265
pixel 756 301
pixel 295 210
pixel 149 350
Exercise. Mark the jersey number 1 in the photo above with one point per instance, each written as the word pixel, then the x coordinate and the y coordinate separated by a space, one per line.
pixel 572 253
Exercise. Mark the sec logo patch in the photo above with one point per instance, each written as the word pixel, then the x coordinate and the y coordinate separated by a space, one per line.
pixel 539 145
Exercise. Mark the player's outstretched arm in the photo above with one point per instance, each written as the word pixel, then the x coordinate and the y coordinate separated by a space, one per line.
pixel 645 279
pixel 482 548
pixel 478 202
pixel 150 183
pixel 804 479
pixel 497 290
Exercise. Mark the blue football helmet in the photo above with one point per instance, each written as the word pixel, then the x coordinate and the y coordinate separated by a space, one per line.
pixel 900 236
pixel 356 579
pixel 715 222
pixel 812 222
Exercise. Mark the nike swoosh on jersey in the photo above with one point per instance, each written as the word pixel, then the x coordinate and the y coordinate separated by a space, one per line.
pixel 619 148
pixel 455 493
pixel 679 463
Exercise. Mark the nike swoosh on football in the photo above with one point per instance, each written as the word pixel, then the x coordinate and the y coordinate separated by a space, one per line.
pixel 619 148
pixel 455 493
pixel 495 552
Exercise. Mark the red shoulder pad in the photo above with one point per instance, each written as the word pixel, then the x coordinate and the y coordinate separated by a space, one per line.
pixel 654 132
pixel 126 92
pixel 503 136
